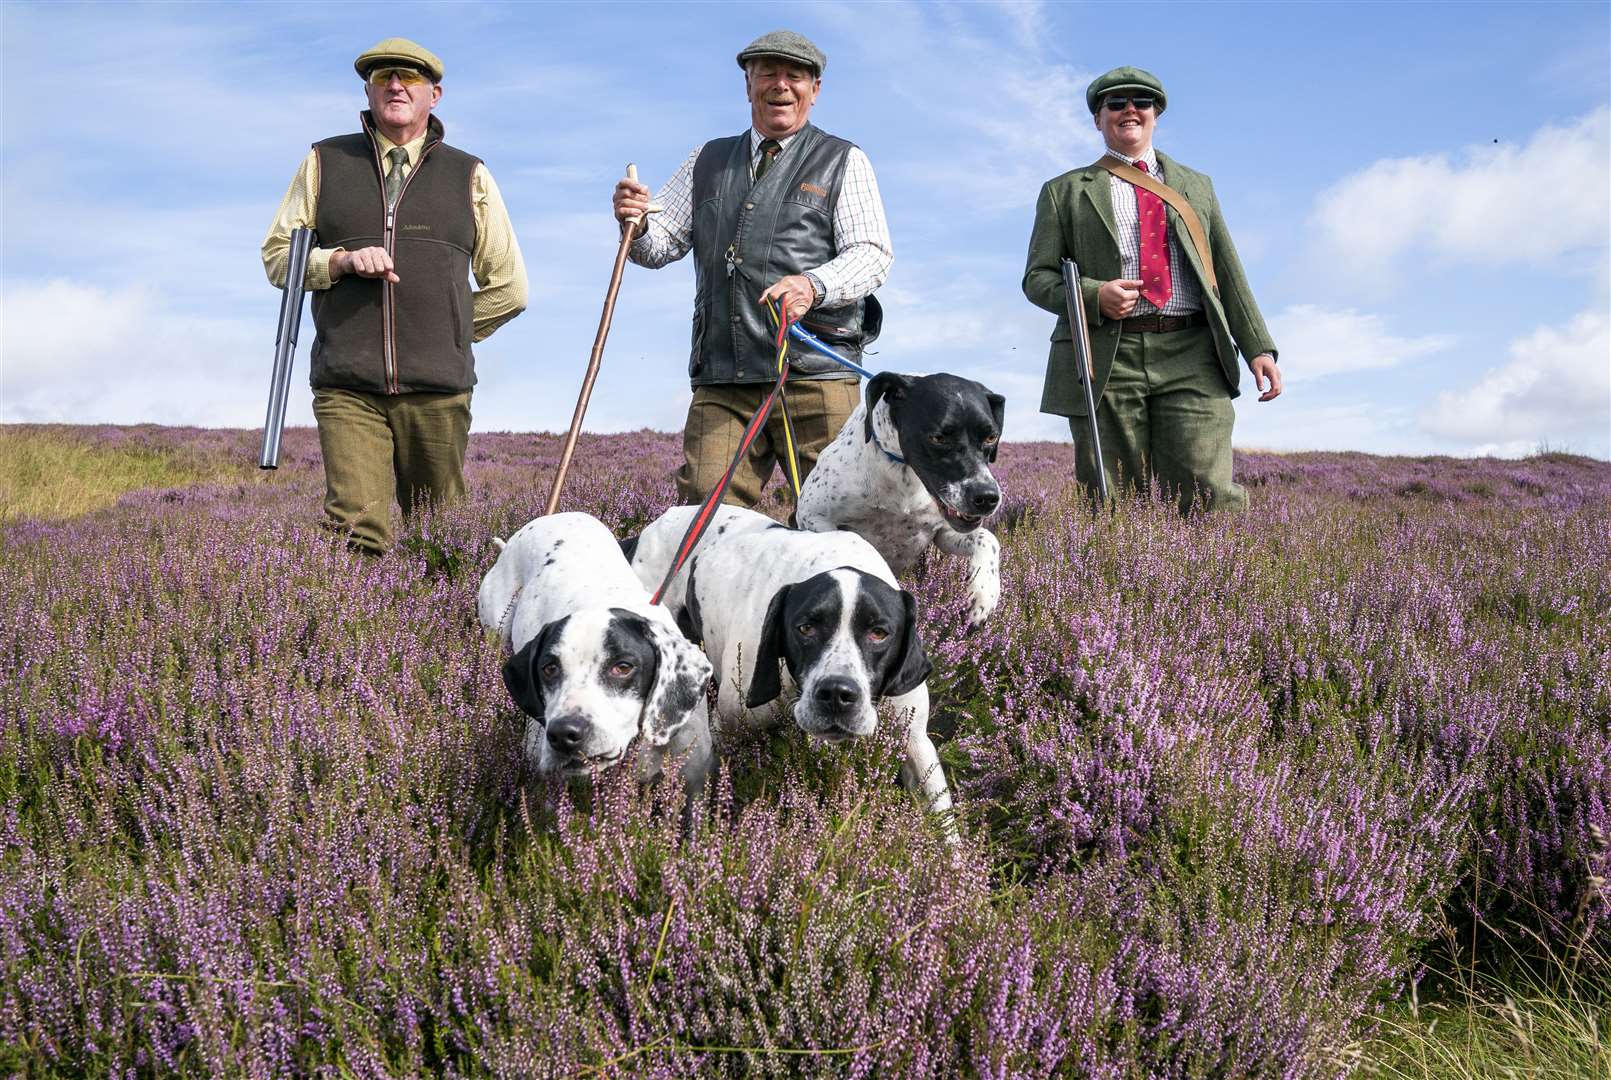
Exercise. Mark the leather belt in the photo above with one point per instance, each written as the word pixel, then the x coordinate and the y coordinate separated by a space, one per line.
pixel 1161 324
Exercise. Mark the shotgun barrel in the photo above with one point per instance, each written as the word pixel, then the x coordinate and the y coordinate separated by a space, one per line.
pixel 1080 332
pixel 296 269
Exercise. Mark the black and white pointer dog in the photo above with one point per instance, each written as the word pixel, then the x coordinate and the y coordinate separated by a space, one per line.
pixel 595 665
pixel 825 605
pixel 910 469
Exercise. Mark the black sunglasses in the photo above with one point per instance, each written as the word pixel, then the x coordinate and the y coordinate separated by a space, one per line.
pixel 1116 103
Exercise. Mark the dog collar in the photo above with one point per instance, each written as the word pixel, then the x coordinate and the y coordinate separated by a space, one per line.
pixel 896 458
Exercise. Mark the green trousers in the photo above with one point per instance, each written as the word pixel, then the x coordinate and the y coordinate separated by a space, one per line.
pixel 718 416
pixel 378 447
pixel 1166 414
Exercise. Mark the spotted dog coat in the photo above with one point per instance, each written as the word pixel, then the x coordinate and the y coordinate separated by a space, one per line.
pixel 944 430
pixel 651 552
pixel 825 605
pixel 595 665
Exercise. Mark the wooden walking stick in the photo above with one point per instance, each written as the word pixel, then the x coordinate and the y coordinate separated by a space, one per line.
pixel 627 236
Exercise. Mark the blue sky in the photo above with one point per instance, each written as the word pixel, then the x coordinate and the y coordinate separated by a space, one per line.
pixel 1421 194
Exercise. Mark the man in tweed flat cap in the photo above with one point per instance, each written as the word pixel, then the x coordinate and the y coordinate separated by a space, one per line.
pixel 1166 324
pixel 782 212
pixel 403 221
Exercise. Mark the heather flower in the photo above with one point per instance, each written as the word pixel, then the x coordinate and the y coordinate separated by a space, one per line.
pixel 263 808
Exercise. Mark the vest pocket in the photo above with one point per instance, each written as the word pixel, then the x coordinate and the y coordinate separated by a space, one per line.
pixel 461 331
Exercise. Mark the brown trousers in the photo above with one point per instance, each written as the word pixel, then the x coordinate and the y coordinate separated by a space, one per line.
pixel 718 416
pixel 383 446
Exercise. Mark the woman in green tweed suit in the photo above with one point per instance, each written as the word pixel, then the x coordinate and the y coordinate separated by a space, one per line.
pixel 1165 363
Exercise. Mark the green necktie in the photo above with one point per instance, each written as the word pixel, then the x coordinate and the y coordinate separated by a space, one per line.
pixel 770 149
pixel 394 179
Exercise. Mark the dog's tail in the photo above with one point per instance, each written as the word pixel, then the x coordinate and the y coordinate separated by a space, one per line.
pixel 499 543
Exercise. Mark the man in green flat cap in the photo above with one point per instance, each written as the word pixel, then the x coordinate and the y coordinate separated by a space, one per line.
pixel 1166 300
pixel 782 212
pixel 403 221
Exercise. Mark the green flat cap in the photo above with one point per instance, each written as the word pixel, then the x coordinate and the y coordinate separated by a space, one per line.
pixel 788 45
pixel 401 51
pixel 1124 78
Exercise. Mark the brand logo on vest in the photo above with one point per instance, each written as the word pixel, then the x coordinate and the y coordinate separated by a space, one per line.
pixel 815 190
pixel 416 228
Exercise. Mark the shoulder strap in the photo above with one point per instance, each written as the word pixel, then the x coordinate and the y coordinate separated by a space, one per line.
pixel 1194 225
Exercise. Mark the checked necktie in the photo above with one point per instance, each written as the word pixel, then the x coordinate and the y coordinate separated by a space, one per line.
pixel 1156 284
pixel 394 179
pixel 770 149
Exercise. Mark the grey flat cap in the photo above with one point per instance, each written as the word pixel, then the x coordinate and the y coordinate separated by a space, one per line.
pixel 788 45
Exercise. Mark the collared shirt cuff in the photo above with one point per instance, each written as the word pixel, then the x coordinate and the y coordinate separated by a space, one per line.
pixel 318 276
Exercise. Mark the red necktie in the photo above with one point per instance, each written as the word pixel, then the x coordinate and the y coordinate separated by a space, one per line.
pixel 1156 284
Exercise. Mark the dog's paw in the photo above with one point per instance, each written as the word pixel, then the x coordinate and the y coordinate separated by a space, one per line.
pixel 985 595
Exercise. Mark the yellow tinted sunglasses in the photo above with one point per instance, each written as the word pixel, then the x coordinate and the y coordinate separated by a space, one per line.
pixel 382 76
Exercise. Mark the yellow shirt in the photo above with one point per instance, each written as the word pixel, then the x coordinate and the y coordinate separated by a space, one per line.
pixel 496 263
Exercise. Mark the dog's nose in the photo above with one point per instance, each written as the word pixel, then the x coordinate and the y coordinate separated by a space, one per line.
pixel 837 695
pixel 985 500
pixel 567 733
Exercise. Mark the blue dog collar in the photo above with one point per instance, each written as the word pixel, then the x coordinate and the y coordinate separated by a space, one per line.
pixel 896 458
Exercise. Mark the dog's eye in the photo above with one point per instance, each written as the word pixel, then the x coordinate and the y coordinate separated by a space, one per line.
pixel 877 634
pixel 992 440
pixel 550 670
pixel 938 439
pixel 805 629
pixel 622 668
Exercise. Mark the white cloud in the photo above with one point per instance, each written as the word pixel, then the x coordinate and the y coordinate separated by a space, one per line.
pixel 1514 448
pixel 1502 204
pixel 1290 422
pixel 78 353
pixel 1316 341
pixel 1002 117
pixel 1555 390
pixel 62 329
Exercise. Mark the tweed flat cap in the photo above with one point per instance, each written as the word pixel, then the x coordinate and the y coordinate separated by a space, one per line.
pixel 401 51
pixel 788 45
pixel 1124 78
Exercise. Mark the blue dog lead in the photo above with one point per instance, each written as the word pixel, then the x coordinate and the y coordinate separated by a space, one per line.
pixel 810 340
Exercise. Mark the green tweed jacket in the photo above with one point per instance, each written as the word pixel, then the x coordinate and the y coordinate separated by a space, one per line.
pixel 1074 218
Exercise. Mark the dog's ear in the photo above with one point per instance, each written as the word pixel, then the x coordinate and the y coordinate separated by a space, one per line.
pixel 891 383
pixel 908 665
pixel 681 674
pixel 690 620
pixel 998 413
pixel 769 649
pixel 520 673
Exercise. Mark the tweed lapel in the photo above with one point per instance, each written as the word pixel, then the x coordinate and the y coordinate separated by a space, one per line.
pixel 1094 183
pixel 1184 181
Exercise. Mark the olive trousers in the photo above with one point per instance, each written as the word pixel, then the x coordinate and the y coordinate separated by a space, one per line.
pixel 1165 414
pixel 378 447
pixel 719 414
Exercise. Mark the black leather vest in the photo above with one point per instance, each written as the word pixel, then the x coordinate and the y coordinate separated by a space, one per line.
pixel 414 335
pixel 745 237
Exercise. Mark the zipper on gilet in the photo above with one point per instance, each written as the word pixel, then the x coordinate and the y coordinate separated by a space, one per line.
pixel 388 304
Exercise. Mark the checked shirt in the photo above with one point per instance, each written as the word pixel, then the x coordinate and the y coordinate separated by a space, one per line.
pixel 1188 294
pixel 860 233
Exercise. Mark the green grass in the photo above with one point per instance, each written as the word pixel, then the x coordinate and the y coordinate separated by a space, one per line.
pixel 1542 1016
pixel 51 472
